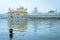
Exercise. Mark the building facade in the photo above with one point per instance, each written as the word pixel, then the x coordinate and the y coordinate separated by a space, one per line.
pixel 17 13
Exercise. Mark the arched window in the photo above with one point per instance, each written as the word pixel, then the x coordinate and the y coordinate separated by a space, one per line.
pixel 11 16
pixel 17 16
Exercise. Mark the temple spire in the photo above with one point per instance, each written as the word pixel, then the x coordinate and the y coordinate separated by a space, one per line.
pixel 35 11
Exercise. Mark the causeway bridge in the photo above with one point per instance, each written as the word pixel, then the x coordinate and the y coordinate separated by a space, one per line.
pixel 44 16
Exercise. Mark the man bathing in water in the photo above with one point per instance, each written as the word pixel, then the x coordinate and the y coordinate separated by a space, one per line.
pixel 11 33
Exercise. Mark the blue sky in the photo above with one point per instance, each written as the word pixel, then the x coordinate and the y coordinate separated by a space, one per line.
pixel 42 5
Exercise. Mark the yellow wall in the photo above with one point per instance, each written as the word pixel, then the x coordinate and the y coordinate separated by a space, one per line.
pixel 18 12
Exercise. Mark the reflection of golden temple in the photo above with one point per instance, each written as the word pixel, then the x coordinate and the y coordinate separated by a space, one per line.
pixel 21 11
pixel 19 25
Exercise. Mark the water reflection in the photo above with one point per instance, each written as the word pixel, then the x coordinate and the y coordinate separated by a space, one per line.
pixel 18 25
pixel 52 25
pixel 11 36
pixel 49 25
pixel 35 24
pixel 32 29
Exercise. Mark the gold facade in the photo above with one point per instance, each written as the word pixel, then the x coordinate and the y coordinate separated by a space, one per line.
pixel 21 11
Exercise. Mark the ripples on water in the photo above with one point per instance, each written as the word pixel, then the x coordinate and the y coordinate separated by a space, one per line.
pixel 30 29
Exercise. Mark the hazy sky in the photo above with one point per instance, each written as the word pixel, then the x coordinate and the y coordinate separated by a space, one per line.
pixel 42 5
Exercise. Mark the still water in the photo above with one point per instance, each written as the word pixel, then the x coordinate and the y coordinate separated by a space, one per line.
pixel 30 29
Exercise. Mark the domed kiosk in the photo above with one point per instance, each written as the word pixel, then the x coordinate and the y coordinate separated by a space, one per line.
pixel 35 11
